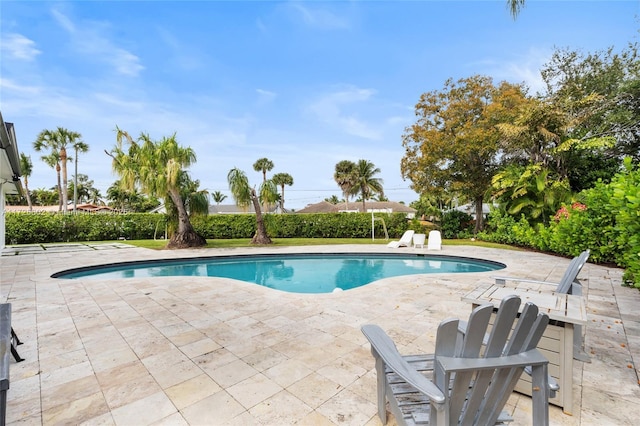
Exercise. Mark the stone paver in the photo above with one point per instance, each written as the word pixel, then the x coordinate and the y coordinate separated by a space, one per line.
pixel 189 350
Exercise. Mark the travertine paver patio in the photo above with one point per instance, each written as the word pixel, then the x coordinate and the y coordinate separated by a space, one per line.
pixel 209 351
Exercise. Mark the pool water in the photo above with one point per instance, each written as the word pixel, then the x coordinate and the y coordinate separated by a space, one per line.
pixel 309 273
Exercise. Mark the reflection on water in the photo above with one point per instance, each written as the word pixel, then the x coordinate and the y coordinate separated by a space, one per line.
pixel 297 274
pixel 356 271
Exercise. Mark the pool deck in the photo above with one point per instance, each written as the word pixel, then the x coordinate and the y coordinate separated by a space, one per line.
pixel 213 351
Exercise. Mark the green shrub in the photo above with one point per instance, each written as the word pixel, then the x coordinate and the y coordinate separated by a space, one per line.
pixel 456 224
pixel 33 228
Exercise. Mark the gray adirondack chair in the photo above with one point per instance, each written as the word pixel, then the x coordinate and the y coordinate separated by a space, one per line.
pixel 465 381
pixel 569 284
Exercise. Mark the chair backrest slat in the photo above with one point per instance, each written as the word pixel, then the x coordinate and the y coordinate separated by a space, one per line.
pixel 478 398
pixel 472 345
pixel 571 274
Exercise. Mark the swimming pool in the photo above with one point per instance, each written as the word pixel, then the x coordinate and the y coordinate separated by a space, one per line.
pixel 295 273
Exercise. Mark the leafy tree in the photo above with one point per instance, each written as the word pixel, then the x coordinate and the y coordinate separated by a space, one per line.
pixel 218 197
pixel 533 191
pixel 282 179
pixel 45 197
pixel 263 165
pixel 454 146
pixel 365 183
pixel 85 192
pixel 244 195
pixel 129 200
pixel 157 167
pixel 27 168
pixel 346 176
pixel 601 93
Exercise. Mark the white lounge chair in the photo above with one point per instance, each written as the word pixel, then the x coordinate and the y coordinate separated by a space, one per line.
pixel 405 240
pixel 435 241
pixel 418 240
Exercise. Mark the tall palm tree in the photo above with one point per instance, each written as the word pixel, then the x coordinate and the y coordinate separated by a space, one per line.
pixel 244 195
pixel 345 176
pixel 57 141
pixel 47 140
pixel 27 168
pixel 53 161
pixel 157 167
pixel 282 179
pixel 263 165
pixel 366 184
pixel 218 197
pixel 78 146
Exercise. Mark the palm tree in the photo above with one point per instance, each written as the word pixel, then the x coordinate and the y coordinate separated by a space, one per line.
pixel 515 6
pixel 218 197
pixel 65 137
pixel 27 168
pixel 365 183
pixel 263 165
pixel 53 160
pixel 333 199
pixel 56 141
pixel 78 146
pixel 345 177
pixel 157 167
pixel 48 140
pixel 245 195
pixel 282 179
pixel 196 201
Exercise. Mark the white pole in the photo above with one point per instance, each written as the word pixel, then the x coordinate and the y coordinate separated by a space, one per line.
pixel 373 229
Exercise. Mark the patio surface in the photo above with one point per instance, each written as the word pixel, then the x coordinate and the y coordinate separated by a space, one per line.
pixel 213 351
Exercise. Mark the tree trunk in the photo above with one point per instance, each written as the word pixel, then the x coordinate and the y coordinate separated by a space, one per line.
pixel 186 236
pixel 26 190
pixel 59 187
pixel 261 236
pixel 65 196
pixel 479 215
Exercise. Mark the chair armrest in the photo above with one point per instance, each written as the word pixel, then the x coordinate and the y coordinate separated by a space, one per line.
pixel 523 359
pixel 503 280
pixel 383 347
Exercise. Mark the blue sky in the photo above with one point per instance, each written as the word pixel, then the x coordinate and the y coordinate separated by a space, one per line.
pixel 304 83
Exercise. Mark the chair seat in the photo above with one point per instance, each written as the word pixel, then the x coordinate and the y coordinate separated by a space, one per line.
pixel 415 405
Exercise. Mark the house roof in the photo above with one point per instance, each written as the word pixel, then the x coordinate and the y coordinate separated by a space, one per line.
pixel 91 208
pixel 326 207
pixel 234 209
pixel 9 159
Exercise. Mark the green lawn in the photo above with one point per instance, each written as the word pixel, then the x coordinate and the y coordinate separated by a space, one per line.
pixel 284 242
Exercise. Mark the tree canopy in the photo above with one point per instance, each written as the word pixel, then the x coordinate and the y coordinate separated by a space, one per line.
pixel 157 168
pixel 454 146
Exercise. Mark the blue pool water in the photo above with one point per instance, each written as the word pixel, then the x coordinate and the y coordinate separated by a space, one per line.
pixel 309 273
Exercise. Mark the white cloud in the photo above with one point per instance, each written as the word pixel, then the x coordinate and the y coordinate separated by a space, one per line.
pixel 88 39
pixel 523 68
pixel 265 96
pixel 319 18
pixel 19 47
pixel 330 109
pixel 19 89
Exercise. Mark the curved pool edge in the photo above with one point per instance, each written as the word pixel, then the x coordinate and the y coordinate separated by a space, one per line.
pixel 169 261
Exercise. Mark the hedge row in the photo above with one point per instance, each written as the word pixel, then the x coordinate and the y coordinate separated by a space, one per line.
pixel 31 228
